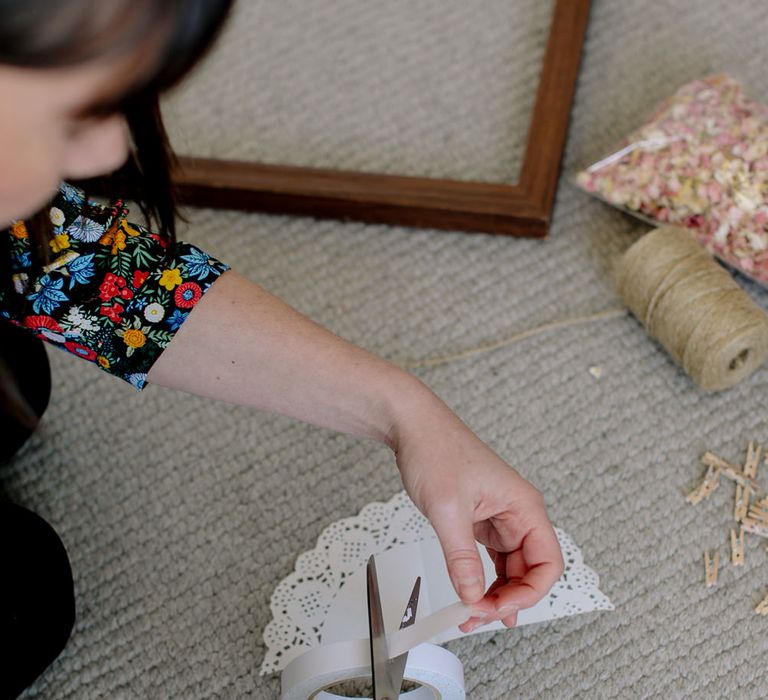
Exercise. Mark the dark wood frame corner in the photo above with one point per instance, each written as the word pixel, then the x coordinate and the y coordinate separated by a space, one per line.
pixel 520 209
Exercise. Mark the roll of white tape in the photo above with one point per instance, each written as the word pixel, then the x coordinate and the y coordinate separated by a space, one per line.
pixel 311 675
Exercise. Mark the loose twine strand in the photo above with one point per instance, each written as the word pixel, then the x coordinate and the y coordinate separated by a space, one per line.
pixel 685 300
pixel 510 340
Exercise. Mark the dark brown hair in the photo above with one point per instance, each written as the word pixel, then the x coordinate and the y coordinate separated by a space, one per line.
pixel 59 33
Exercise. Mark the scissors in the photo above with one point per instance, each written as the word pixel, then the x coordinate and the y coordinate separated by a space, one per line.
pixel 387 673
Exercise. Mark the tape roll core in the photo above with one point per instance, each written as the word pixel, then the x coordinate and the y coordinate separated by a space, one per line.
pixel 423 692
pixel 310 676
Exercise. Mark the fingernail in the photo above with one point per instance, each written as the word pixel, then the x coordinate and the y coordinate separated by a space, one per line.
pixel 469 581
pixel 470 587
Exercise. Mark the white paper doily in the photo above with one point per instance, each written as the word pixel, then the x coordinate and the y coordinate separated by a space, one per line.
pixel 302 600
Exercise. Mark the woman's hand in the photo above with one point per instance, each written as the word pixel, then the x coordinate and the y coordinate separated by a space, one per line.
pixel 468 493
pixel 243 345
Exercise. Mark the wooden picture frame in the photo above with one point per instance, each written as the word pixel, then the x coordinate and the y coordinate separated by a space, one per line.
pixel 521 209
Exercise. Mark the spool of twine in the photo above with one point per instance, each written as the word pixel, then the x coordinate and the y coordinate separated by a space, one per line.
pixel 693 307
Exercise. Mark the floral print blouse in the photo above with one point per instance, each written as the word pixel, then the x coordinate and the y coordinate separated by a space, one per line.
pixel 114 293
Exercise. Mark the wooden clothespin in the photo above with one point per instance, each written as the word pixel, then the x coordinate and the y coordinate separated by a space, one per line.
pixel 759 514
pixel 755 527
pixel 706 487
pixel 728 470
pixel 737 547
pixel 762 607
pixel 710 568
pixel 762 503
pixel 741 506
pixel 753 458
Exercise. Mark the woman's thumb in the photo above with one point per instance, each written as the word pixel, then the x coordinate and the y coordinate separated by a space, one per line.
pixel 461 556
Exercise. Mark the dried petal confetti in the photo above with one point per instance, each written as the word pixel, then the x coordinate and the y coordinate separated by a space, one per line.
pixel 701 161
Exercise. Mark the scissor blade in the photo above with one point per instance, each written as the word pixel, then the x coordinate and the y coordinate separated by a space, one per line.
pixel 396 666
pixel 382 685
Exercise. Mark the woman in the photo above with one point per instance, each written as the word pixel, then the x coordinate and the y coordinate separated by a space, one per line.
pixel 80 81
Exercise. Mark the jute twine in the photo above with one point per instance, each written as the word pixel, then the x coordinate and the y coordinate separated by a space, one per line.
pixel 693 307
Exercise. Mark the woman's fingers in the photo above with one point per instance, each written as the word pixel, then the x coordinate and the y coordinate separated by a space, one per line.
pixel 531 571
pixel 523 577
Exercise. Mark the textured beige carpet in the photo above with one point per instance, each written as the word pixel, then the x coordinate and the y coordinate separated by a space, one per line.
pixel 182 515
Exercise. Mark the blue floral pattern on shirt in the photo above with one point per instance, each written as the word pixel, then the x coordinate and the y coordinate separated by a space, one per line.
pixel 114 293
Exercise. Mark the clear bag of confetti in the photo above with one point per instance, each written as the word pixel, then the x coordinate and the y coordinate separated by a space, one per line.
pixel 700 161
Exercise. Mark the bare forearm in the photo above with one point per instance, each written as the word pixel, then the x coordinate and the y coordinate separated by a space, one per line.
pixel 243 345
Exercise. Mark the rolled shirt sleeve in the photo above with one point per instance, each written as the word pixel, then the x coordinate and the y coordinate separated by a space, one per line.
pixel 114 292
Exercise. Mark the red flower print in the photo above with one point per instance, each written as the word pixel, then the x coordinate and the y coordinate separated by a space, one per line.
pixel 108 288
pixel 112 286
pixel 39 322
pixel 80 350
pixel 162 241
pixel 187 295
pixel 117 208
pixel 45 327
pixel 112 312
pixel 139 278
